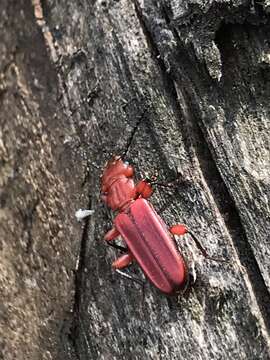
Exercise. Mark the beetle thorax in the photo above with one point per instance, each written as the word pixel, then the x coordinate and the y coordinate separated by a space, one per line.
pixel 120 193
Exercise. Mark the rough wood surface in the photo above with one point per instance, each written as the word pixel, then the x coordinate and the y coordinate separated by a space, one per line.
pixel 177 87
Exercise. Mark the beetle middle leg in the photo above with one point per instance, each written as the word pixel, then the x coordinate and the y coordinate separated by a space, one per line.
pixel 123 262
pixel 130 277
pixel 110 236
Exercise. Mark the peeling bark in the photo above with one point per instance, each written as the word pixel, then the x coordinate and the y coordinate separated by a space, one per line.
pixel 175 87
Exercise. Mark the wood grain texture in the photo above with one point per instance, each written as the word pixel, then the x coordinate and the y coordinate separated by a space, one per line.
pixel 176 87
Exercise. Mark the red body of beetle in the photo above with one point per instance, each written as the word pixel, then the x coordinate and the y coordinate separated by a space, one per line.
pixel 148 240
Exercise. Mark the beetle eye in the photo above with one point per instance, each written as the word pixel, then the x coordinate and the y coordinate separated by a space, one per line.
pixel 126 163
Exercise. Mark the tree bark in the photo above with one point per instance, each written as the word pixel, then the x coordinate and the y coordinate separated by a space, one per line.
pixel 179 88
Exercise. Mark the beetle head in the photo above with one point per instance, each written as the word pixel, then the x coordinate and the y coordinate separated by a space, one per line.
pixel 114 169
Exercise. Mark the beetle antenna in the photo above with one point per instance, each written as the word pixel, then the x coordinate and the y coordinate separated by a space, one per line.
pixel 133 132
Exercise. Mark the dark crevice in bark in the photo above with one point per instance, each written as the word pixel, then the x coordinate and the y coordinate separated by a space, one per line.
pixel 214 180
pixel 78 289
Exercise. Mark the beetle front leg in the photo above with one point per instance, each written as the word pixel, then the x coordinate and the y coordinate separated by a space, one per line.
pixel 144 189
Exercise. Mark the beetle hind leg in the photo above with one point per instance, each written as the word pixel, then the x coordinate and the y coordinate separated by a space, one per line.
pixel 123 261
pixel 178 229
pixel 181 229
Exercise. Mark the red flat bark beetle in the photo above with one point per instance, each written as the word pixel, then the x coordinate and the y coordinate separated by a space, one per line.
pixel 149 241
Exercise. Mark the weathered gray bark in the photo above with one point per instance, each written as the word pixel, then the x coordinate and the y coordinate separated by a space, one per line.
pixel 174 85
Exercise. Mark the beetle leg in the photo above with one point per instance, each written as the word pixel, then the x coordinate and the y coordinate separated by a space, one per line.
pixel 123 261
pixel 144 188
pixel 181 229
pixel 203 250
pixel 118 247
pixel 111 234
pixel 130 277
pixel 178 179
pixel 193 259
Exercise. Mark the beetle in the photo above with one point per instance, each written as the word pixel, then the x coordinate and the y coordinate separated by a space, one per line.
pixel 149 241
